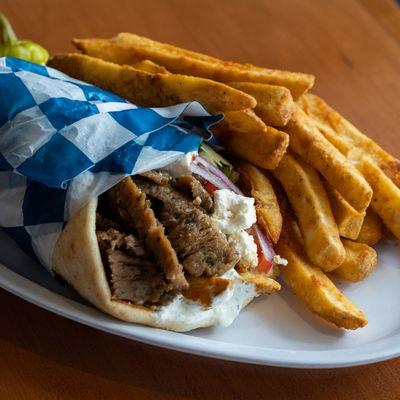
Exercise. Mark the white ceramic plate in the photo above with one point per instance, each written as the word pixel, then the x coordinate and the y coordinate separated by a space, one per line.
pixel 277 330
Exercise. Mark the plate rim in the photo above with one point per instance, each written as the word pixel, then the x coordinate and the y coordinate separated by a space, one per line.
pixel 183 342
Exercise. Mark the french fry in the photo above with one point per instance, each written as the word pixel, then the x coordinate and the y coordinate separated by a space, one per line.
pixel 257 185
pixel 311 145
pixel 129 48
pixel 312 286
pixel 150 66
pixel 348 220
pixel 386 198
pixel 326 116
pixel 309 200
pixel 359 262
pixel 246 136
pixel 274 103
pixel 381 170
pixel 132 39
pixel 152 90
pixel 371 229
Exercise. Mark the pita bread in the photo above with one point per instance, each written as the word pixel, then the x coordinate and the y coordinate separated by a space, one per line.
pixel 77 259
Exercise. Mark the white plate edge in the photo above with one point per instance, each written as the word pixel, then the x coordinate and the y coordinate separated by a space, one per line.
pixel 17 285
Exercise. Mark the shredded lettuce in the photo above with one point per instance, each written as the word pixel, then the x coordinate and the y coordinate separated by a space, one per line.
pixel 210 155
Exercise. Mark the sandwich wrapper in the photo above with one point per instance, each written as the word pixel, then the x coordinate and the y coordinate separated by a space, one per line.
pixel 63 142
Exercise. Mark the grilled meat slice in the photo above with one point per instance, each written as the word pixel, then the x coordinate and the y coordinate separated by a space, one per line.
pixel 190 185
pixel 201 247
pixel 129 204
pixel 134 277
pixel 159 176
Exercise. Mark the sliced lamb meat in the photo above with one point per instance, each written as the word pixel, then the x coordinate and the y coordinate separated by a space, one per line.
pixel 138 283
pixel 189 184
pixel 104 224
pixel 132 245
pixel 133 277
pixel 117 240
pixel 131 207
pixel 201 246
pixel 158 176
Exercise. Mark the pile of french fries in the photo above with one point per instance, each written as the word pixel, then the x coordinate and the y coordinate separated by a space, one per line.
pixel 325 193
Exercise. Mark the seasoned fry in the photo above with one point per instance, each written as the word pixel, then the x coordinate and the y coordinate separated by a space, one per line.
pixel 360 261
pixel 246 136
pixel 386 198
pixel 345 148
pixel 325 116
pixel 150 66
pixel 128 49
pixel 371 229
pixel 256 184
pixel 312 286
pixel 274 103
pixel 309 143
pixel 141 41
pixel 152 90
pixel 310 203
pixel 379 168
pixel 348 220
pixel 132 39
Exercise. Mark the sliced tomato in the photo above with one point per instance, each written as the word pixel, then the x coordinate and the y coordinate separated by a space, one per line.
pixel 263 264
pixel 210 187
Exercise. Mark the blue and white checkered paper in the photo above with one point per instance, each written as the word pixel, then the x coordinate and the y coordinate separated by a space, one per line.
pixel 63 141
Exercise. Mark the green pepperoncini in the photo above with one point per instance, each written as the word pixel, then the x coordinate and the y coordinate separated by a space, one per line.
pixel 10 46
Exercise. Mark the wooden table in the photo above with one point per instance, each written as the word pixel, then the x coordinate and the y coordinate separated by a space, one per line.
pixel 353 49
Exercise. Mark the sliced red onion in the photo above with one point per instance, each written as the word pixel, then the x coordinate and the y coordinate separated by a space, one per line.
pixel 208 176
pixel 265 243
pixel 225 182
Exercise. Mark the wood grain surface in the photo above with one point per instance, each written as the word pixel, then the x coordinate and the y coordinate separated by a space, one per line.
pixel 353 49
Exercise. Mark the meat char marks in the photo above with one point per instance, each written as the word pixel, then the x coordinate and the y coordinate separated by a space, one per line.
pixel 201 247
pixel 186 184
pixel 152 228
pixel 191 186
pixel 129 205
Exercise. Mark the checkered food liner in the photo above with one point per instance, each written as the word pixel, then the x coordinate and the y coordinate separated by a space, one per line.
pixel 63 141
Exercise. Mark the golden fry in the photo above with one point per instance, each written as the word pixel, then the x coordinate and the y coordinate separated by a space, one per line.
pixel 313 287
pixel 152 90
pixel 308 198
pixel 381 170
pixel 386 198
pixel 348 220
pixel 326 116
pixel 371 229
pixel 274 103
pixel 359 262
pixel 256 184
pixel 128 49
pixel 150 66
pixel 309 143
pixel 246 136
